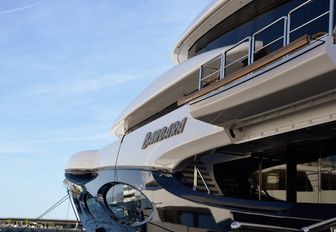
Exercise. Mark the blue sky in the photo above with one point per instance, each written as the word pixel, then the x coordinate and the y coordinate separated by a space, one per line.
pixel 67 70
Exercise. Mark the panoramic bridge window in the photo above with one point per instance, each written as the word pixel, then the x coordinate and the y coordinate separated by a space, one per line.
pixel 128 204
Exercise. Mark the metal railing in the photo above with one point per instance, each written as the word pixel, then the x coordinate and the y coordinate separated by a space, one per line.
pixel 224 66
pixel 197 173
pixel 282 20
pixel 240 45
pixel 209 71
pixel 300 7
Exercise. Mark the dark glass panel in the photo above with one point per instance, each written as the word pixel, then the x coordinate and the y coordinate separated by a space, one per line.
pixel 258 14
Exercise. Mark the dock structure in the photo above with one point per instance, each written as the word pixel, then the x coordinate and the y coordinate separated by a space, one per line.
pixel 40 225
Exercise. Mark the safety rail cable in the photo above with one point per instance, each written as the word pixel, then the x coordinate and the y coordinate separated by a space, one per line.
pixel 54 206
pixel 251 40
pixel 237 60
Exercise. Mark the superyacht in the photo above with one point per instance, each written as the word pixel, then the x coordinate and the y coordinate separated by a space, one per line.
pixel 240 135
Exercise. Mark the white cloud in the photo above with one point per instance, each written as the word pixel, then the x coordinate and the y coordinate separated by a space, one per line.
pixel 14 10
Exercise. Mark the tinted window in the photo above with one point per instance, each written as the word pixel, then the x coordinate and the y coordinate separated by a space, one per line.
pixel 328 181
pixel 258 14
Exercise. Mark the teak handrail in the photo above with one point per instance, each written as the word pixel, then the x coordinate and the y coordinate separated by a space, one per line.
pixel 277 54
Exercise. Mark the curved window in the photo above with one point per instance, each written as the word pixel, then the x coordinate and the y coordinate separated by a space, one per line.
pixel 128 204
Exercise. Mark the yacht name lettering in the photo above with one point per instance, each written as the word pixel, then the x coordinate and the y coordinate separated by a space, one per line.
pixel 164 133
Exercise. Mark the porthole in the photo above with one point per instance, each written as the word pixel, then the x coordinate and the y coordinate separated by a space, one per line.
pixel 127 204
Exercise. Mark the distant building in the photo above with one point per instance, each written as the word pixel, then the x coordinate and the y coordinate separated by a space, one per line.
pixel 13 224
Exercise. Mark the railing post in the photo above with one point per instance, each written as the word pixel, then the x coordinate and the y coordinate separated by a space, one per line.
pixel 288 28
pixel 249 55
pixel 331 16
pixel 252 49
pixel 195 178
pixel 222 67
pixel 200 77
pixel 285 31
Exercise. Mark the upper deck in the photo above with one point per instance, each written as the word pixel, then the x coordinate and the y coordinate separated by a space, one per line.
pixel 253 37
pixel 224 22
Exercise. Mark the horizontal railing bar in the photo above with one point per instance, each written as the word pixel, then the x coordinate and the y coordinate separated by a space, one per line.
pixel 213 59
pixel 268 26
pixel 300 6
pixel 209 68
pixel 270 43
pixel 237 44
pixel 235 61
pixel 206 77
pixel 216 71
pixel 312 20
